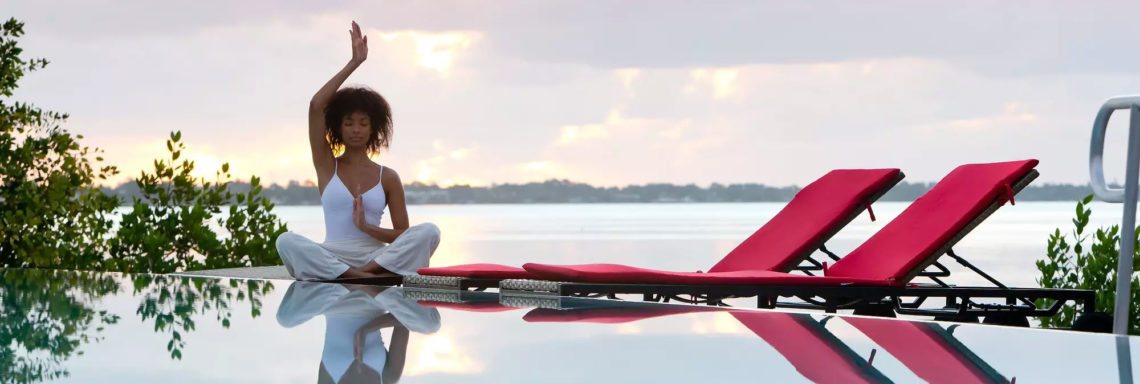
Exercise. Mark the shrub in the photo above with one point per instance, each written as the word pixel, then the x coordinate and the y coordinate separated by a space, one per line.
pixel 51 213
pixel 1070 264
pixel 169 229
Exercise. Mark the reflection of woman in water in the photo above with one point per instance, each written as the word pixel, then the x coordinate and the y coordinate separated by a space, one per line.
pixel 354 190
pixel 354 315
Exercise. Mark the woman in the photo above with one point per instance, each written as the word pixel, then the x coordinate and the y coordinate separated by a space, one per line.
pixel 356 122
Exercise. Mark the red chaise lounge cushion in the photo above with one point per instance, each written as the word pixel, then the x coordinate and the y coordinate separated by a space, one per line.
pixel 478 271
pixel 624 274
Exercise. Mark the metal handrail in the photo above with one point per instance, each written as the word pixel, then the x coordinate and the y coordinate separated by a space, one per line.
pixel 1128 196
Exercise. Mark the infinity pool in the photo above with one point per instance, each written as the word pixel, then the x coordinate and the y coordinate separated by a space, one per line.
pixel 104 328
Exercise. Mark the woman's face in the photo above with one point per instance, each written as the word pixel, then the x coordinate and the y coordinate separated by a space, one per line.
pixel 355 129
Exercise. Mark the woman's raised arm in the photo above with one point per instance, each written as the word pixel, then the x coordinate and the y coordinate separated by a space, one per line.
pixel 322 154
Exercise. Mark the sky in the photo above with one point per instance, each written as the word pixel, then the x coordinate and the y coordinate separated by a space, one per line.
pixel 603 92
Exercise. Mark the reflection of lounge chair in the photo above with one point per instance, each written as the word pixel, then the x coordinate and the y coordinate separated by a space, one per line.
pixel 615 314
pixel 816 214
pixel 814 351
pixel 458 300
pixel 872 276
pixel 928 350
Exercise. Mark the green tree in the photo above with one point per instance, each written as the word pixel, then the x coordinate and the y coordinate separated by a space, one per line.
pixel 1080 260
pixel 172 228
pixel 51 213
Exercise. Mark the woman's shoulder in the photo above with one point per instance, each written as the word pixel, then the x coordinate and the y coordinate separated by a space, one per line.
pixel 389 176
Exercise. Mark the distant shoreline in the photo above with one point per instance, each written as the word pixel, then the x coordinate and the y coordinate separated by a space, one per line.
pixel 567 192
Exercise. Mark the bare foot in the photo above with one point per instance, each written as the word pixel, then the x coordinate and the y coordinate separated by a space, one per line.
pixel 357 273
pixel 353 273
pixel 376 270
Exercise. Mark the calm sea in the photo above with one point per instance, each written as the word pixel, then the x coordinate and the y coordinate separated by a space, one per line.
pixel 690 237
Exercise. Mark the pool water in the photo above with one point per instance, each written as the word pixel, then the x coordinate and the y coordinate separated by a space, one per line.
pixel 95 328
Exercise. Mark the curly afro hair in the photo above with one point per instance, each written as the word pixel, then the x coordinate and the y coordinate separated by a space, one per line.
pixel 352 99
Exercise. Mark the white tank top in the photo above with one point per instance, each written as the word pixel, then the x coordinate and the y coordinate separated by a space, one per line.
pixel 337 204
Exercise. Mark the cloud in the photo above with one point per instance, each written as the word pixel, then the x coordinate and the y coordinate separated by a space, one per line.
pixel 542 170
pixel 627 76
pixel 721 80
pixel 1014 115
pixel 577 133
pixel 616 125
pixel 435 51
pixel 439 168
pixel 540 166
pixel 991 37
pixel 601 92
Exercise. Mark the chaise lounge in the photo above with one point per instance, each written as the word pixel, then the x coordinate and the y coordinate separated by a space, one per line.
pixel 873 279
pixel 805 224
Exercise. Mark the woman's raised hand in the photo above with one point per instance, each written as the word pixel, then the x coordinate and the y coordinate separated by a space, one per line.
pixel 359 44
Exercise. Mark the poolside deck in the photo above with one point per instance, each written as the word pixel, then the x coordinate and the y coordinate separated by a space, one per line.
pixel 276 272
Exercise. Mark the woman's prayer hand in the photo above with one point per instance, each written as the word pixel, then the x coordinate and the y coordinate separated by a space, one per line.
pixel 358 212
